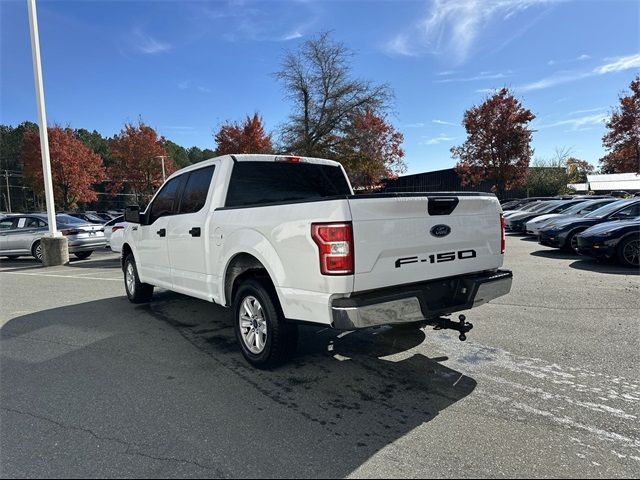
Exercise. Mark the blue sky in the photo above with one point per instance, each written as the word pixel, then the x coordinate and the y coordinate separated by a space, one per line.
pixel 185 67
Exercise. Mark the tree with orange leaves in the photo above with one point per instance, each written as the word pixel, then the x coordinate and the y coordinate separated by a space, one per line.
pixel 370 150
pixel 137 154
pixel 623 138
pixel 498 145
pixel 248 137
pixel 74 168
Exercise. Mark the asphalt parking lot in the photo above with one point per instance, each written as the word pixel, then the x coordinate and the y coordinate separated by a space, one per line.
pixel 547 385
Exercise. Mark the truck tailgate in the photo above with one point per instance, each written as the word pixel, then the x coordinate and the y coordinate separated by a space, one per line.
pixel 408 238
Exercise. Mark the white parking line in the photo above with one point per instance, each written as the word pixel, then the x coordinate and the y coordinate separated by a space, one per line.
pixel 63 276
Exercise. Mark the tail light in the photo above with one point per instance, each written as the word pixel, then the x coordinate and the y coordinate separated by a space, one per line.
pixel 288 158
pixel 70 231
pixel 116 228
pixel 335 244
pixel 503 240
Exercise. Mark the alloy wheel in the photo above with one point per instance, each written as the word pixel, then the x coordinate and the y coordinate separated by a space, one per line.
pixel 253 325
pixel 631 252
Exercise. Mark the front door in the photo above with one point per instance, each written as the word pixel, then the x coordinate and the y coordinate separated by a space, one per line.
pixel 153 257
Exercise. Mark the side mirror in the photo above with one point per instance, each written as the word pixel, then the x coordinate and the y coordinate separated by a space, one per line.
pixel 132 214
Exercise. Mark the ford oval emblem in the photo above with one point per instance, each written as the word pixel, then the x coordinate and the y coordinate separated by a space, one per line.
pixel 440 230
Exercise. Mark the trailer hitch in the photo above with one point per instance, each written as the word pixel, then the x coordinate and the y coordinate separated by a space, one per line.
pixel 462 326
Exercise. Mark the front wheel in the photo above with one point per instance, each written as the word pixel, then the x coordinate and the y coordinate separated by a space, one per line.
pixel 83 255
pixel 137 292
pixel 571 243
pixel 265 339
pixel 629 252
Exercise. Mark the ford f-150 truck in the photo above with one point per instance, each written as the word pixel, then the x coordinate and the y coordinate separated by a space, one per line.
pixel 283 240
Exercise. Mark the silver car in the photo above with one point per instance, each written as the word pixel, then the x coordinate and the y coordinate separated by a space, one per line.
pixel 20 235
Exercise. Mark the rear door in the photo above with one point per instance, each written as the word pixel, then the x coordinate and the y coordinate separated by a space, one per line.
pixel 6 226
pixel 411 238
pixel 187 233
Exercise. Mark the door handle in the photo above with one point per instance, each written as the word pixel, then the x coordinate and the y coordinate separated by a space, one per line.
pixel 162 232
pixel 195 232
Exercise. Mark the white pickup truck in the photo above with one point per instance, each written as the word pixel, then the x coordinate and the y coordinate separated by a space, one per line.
pixel 283 240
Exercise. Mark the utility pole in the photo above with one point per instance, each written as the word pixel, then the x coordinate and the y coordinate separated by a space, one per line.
pixel 6 177
pixel 55 249
pixel 162 157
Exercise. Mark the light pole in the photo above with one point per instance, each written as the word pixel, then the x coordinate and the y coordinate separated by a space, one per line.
pixel 6 177
pixel 162 157
pixel 54 248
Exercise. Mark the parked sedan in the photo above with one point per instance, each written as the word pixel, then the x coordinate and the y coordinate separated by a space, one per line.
pixel 578 210
pixel 518 222
pixel 20 235
pixel 619 240
pixel 561 233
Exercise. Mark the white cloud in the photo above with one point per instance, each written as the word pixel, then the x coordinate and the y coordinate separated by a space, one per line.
pixel 617 64
pixel 146 44
pixel 578 123
pixel 451 27
pixel 436 140
pixel 415 125
pixel 442 122
pixel 482 76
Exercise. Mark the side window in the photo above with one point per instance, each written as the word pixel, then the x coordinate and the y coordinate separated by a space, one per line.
pixel 163 203
pixel 33 223
pixel 22 221
pixel 629 212
pixel 195 191
pixel 6 224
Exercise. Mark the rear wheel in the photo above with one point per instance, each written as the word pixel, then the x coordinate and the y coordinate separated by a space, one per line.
pixel 83 255
pixel 629 252
pixel 36 251
pixel 137 292
pixel 265 338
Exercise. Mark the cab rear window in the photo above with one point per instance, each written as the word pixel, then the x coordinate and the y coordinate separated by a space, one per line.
pixel 258 183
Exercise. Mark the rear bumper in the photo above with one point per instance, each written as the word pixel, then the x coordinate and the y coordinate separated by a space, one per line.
pixel 416 302
pixel 86 245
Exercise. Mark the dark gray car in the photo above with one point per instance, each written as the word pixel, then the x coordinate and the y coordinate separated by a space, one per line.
pixel 20 235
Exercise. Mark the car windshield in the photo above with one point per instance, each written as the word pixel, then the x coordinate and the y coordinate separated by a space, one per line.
pixel 530 207
pixel 69 220
pixel 573 209
pixel 607 209
pixel 548 207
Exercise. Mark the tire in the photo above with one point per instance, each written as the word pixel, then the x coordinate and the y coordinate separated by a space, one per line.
pixel 629 251
pixel 266 340
pixel 137 292
pixel 36 251
pixel 570 244
pixel 83 255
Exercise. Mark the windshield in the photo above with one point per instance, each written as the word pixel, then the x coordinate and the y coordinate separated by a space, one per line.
pixel 68 219
pixel 574 209
pixel 530 207
pixel 607 209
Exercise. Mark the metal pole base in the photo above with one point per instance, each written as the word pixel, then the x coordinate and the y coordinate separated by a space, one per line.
pixel 55 251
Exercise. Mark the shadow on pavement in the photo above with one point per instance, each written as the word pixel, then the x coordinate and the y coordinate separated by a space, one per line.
pixel 555 253
pixel 603 266
pixel 126 375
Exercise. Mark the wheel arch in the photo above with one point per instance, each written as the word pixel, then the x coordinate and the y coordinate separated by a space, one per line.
pixel 242 266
